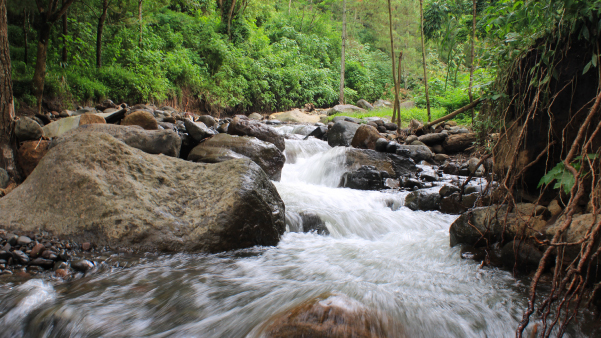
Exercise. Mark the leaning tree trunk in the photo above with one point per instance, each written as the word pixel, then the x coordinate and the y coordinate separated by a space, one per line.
pixel 472 63
pixel 342 59
pixel 39 74
pixel 421 11
pixel 105 7
pixel 7 108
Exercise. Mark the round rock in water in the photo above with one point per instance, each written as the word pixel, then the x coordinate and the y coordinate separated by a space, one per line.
pixel 27 129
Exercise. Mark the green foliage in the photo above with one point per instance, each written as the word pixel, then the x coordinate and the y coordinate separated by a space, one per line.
pixel 562 176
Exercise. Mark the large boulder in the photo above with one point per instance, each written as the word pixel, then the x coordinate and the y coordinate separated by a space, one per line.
pixel 30 153
pixel 295 116
pixel 394 165
pixel 256 129
pixel 265 154
pixel 345 109
pixel 423 200
pixel 365 137
pixel 364 104
pixel 165 142
pixel 208 120
pixel 459 142
pixel 364 178
pixel 432 139
pixel 198 130
pixel 331 316
pixel 141 118
pixel 95 188
pixel 27 129
pixel 382 104
pixel 91 119
pixel 342 133
pixel 416 152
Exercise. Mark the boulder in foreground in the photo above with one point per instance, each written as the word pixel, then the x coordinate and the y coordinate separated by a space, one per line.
pixel 95 188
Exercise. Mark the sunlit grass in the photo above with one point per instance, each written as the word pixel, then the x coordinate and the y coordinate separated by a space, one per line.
pixel 407 114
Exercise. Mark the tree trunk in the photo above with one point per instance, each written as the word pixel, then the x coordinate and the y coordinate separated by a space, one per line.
pixel 105 7
pixel 7 107
pixel 25 30
pixel 421 11
pixel 140 19
pixel 472 61
pixel 39 74
pixel 394 75
pixel 398 121
pixel 342 60
pixel 289 5
pixel 229 20
pixel 64 36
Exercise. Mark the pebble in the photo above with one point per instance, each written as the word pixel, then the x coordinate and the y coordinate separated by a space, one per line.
pixel 20 257
pixel 37 250
pixel 62 273
pixel 23 240
pixel 86 246
pixel 82 265
pixel 45 263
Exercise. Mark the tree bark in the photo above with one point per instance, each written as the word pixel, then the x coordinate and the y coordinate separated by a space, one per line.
pixel 343 57
pixel 394 75
pixel 453 114
pixel 140 20
pixel 229 20
pixel 7 107
pixel 105 7
pixel 289 5
pixel 25 30
pixel 64 56
pixel 472 59
pixel 398 87
pixel 421 11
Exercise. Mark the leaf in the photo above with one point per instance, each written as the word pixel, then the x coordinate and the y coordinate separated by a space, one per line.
pixel 585 32
pixel 594 60
pixel 586 68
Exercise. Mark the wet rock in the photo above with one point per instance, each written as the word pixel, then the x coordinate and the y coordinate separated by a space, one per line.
pixel 342 134
pixel 256 129
pixel 456 204
pixel 265 154
pixel 198 131
pixel 49 254
pixel 4 178
pixel 27 129
pixel 451 169
pixel 344 108
pixel 5 255
pixel 447 190
pixel 423 200
pixel 20 257
pixel 165 204
pixel 365 137
pixel 469 252
pixel 392 147
pixel 164 142
pixel 82 265
pixel 319 133
pixel 394 165
pixel 441 157
pixel 382 144
pixel 44 263
pixel 208 120
pixel 61 273
pixel 364 178
pixel 255 116
pixel 223 128
pixel 141 118
pixel 459 142
pixel 429 175
pixel 526 255
pixel 115 116
pixel 411 183
pixel 29 154
pixel 391 126
pixel 91 119
pixel 364 104
pixel 23 240
pixel 313 223
pixel 417 153
pixel 432 138
pixel 332 316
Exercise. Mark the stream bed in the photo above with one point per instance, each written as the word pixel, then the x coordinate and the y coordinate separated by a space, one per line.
pixel 395 262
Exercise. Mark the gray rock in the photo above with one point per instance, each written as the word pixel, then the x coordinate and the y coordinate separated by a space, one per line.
pixel 82 265
pixel 423 200
pixel 382 104
pixel 145 202
pixel 432 139
pixel 418 143
pixel 223 128
pixel 208 120
pixel 344 108
pixel 410 139
pixel 392 147
pixel 42 262
pixel 447 190
pixel 347 119
pixel 4 179
pixel 27 129
pixel 165 142
pixel 394 165
pixel 364 178
pixel 526 255
pixel 364 104
pixel 391 126
pixel 23 240
pixel 86 110
pixel 255 116
pixel 381 144
pixel 241 127
pixel 416 152
pixel 264 154
pixel 429 175
pixel 319 133
pixel 342 134
pixel 313 223
pixel 20 257
pixel 198 130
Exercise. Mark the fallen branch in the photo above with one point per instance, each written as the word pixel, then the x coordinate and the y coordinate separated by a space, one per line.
pixel 453 114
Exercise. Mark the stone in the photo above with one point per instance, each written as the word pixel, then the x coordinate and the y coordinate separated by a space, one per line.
pixel 198 130
pixel 20 257
pixel 342 133
pixel 432 138
pixel 86 246
pixel 37 250
pixel 364 178
pixel 313 223
pixel 82 265
pixel 264 154
pixel 145 202
pixel 381 144
pixel 106 104
pixel 331 316
pixel 472 163
pixel 422 200
pixel 447 190
pixel 554 208
pixel 365 105
pixel 415 124
pixel 391 126
pixel 29 154
pixel 429 175
pixel 416 152
pixel 295 116
pixel 141 118
pixel 394 165
pixel 441 157
pixel 256 129
pixel 344 109
pixel 66 113
pixel 407 105
pixel 208 120
pixel 208 154
pixel 44 263
pixel 459 142
pixel 115 116
pixel 23 240
pixel 91 119
pixel 223 128
pixel 580 226
pixel 86 110
pixel 320 133
pixel 521 255
pixel 61 273
pixel 382 104
pixel 58 128
pixel 165 142
pixel 4 178
pixel 27 129
pixel 365 137
pixel 255 116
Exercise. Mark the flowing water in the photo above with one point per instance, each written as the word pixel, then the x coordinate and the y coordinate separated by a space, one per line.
pixel 397 263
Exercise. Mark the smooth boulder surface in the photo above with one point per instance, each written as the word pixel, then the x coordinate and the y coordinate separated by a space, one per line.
pixel 141 118
pixel 27 129
pixel 432 139
pixel 146 202
pixel 364 104
pixel 364 178
pixel 208 120
pixel 342 133
pixel 345 108
pixel 394 165
pixel 91 119
pixel 256 129
pixel 365 137
pixel 30 153
pixel 459 142
pixel 164 142
pixel 295 116
pixel 208 154
pixel 198 130
pixel 424 200
pixel 265 154
pixel 416 152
